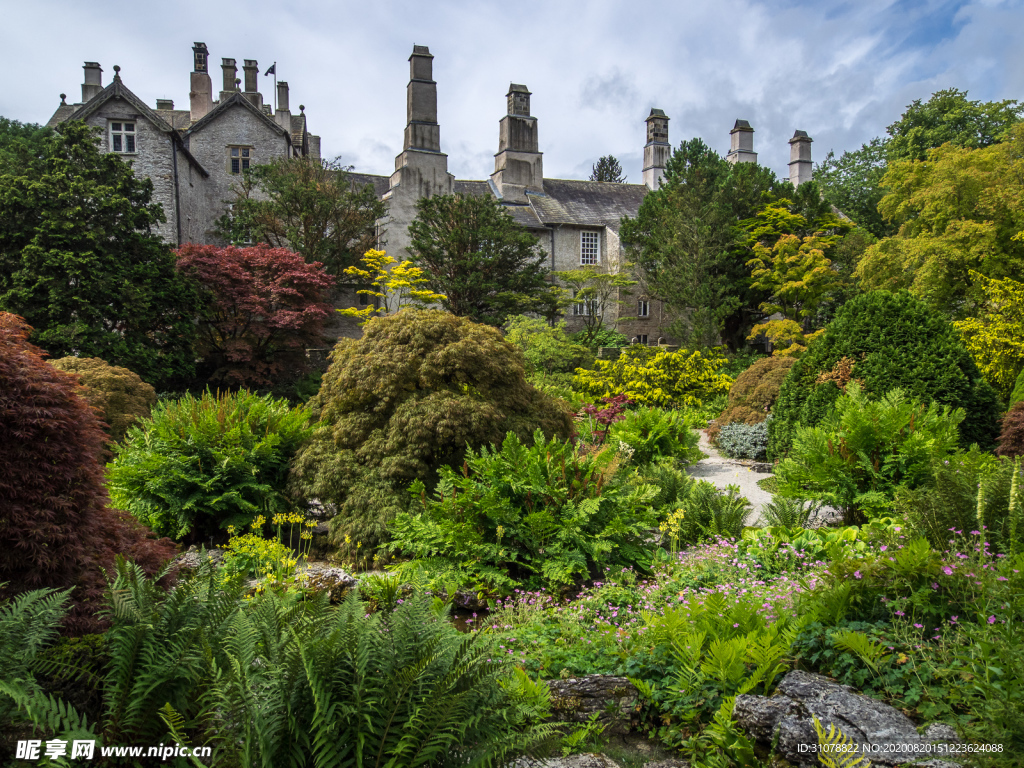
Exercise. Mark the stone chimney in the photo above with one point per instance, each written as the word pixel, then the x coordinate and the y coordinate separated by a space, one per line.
pixel 800 166
pixel 251 72
pixel 314 146
pixel 230 84
pixel 657 149
pixel 165 104
pixel 518 164
pixel 284 115
pixel 201 86
pixel 741 149
pixel 422 131
pixel 93 82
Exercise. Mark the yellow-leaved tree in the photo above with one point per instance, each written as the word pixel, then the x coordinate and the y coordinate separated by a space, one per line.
pixel 995 338
pixel 392 286
pixel 960 210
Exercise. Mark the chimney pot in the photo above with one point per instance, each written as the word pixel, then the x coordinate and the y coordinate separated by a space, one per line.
pixel 252 72
pixel 165 104
pixel 230 72
pixel 201 57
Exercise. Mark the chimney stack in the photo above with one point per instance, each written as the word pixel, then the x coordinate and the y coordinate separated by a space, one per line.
pixel 252 83
pixel 422 131
pixel 800 166
pixel 657 149
pixel 519 163
pixel 314 147
pixel 741 149
pixel 93 82
pixel 284 115
pixel 165 104
pixel 201 86
pixel 230 72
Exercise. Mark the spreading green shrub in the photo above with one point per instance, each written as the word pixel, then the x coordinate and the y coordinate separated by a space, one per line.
pixel 1011 438
pixel 654 377
pixel 1018 390
pixel 693 509
pixel 544 515
pixel 744 441
pixel 401 402
pixel 199 465
pixel 121 397
pixel 865 450
pixel 892 340
pixel 758 386
pixel 653 434
pixel 546 349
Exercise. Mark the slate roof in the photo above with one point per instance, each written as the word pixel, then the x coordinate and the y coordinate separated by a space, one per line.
pixel 64 111
pixel 586 203
pixel 472 188
pixel 298 130
pixel 179 119
pixel 224 104
pixel 380 184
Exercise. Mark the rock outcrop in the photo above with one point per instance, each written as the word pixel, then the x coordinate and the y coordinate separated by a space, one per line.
pixel 801 696
pixel 575 699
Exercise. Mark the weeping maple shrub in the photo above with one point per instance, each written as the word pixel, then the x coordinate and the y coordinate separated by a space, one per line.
pixel 56 527
pixel 1011 438
pixel 121 397
pixel 265 307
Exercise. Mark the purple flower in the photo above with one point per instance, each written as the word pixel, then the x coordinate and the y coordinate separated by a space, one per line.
pixel 991 619
pixel 919 626
pixel 856 575
pixel 947 570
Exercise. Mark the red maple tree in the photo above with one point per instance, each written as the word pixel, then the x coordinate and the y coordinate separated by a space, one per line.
pixel 56 527
pixel 266 307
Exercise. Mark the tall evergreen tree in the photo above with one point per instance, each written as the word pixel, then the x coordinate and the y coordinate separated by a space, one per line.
pixel 607 169
pixel 488 267
pixel 688 241
pixel 79 260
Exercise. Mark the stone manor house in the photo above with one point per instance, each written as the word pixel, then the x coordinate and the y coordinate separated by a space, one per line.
pixel 195 156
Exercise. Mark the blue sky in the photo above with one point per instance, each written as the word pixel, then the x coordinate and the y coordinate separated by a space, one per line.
pixel 842 71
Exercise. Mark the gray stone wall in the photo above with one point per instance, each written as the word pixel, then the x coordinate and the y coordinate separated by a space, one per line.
pixel 152 158
pixel 209 145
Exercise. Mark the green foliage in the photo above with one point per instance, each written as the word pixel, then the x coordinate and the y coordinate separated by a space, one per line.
pixel 597 293
pixel 547 349
pixel 853 183
pixel 996 337
pixel 836 749
pixel 753 394
pixel 403 401
pixel 545 515
pixel 607 169
pixel 472 251
pixel 307 205
pixel 961 211
pixel 970 490
pixel 602 337
pixel 687 239
pixel 118 394
pixel 1018 390
pixel 864 451
pixel 657 378
pixel 694 509
pixel 654 434
pixel 79 260
pixel 743 441
pixel 892 340
pixel 197 466
pixel 788 513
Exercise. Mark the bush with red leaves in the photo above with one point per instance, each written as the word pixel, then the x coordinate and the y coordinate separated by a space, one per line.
pixel 266 306
pixel 56 528
pixel 1011 438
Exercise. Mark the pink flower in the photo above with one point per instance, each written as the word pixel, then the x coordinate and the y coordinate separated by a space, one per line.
pixel 856 575
pixel 952 619
pixel 948 571
pixel 991 619
pixel 919 626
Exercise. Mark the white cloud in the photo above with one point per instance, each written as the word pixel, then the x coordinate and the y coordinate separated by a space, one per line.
pixel 841 71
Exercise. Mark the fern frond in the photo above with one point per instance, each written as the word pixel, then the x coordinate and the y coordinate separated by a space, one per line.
pixel 836 749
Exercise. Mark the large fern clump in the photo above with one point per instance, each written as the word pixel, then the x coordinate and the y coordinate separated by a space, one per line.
pixel 121 397
pixel 56 528
pixel 404 400
pixel 277 680
pixel 544 515
pixel 198 465
pixel 885 341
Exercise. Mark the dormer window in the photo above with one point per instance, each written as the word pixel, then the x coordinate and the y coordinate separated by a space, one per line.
pixel 122 138
pixel 238 159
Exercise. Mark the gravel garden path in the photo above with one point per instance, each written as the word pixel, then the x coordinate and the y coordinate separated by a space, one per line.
pixel 721 472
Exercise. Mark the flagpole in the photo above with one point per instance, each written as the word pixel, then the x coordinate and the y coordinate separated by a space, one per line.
pixel 273 70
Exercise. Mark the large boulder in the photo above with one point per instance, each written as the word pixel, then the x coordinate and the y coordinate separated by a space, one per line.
pixel 322 577
pixel 575 699
pixel 891 737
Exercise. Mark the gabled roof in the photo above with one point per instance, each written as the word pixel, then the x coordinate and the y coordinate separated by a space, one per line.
pixel 118 90
pixel 178 118
pixel 236 99
pixel 298 126
pixel 586 203
pixel 472 188
pixel 380 184
pixel 64 111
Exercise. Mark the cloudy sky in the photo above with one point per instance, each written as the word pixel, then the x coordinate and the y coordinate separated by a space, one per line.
pixel 840 70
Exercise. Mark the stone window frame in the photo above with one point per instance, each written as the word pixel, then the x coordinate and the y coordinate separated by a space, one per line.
pixel 643 308
pixel 121 137
pixel 590 248
pixel 641 338
pixel 587 307
pixel 244 158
